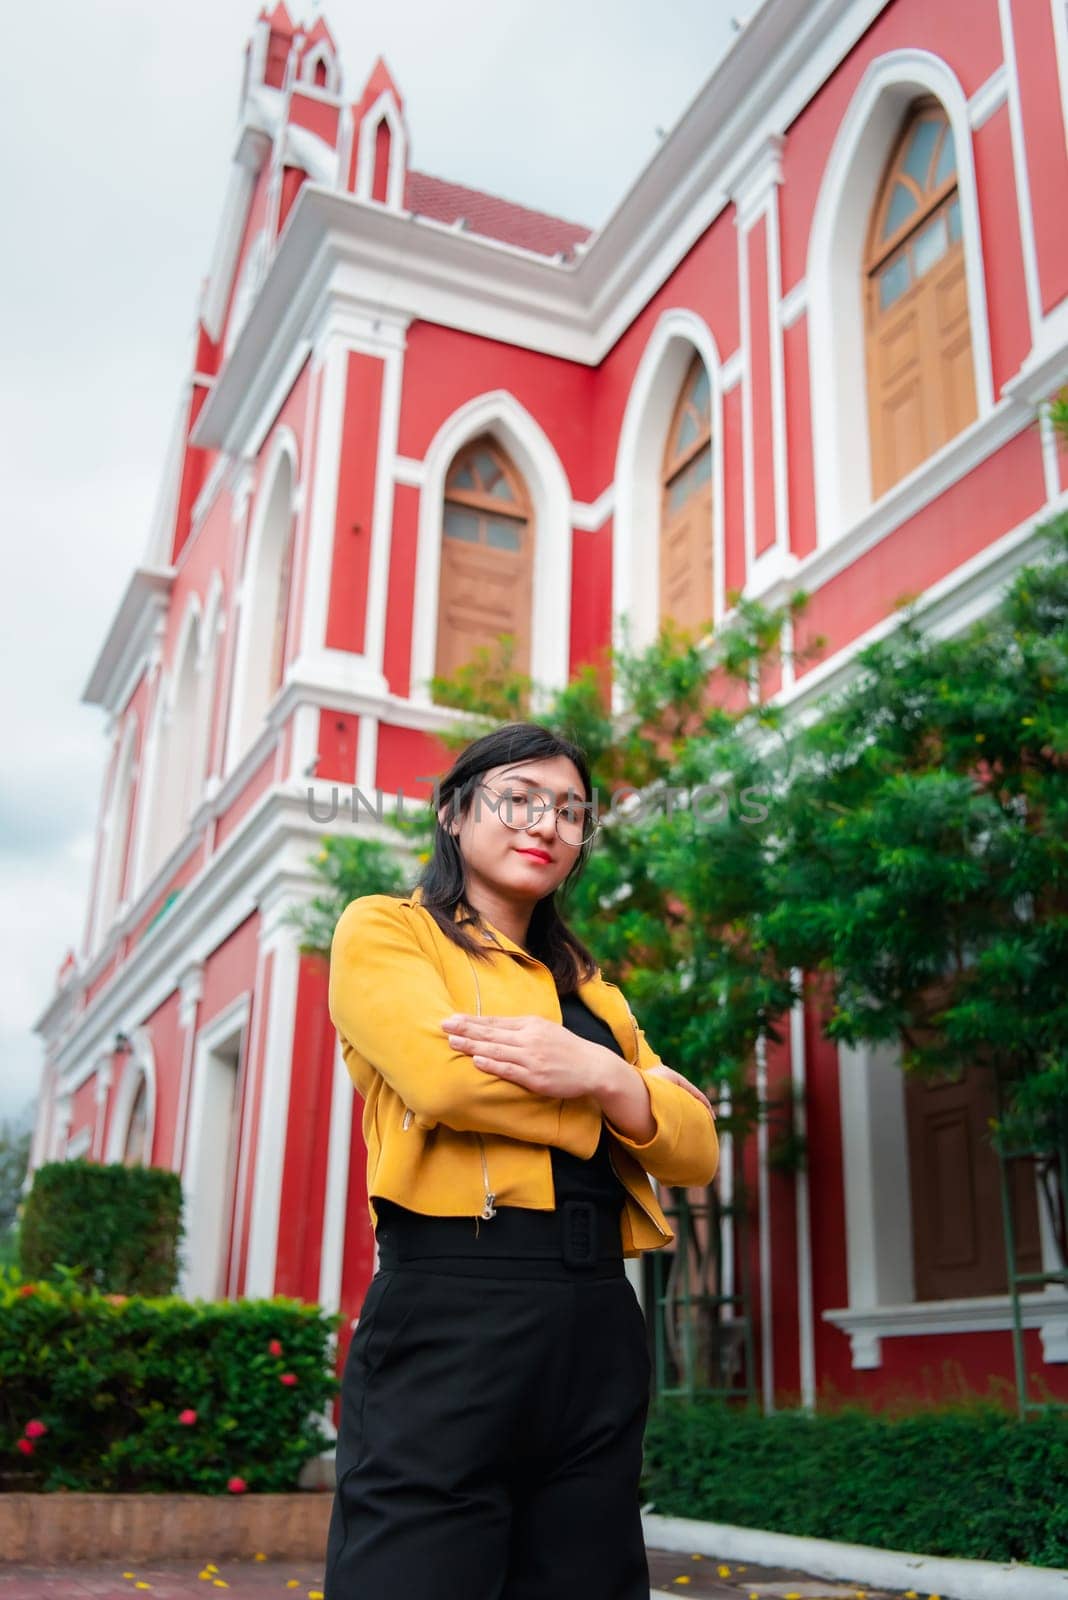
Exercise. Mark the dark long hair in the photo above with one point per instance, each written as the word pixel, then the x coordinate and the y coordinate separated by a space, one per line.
pixel 443 879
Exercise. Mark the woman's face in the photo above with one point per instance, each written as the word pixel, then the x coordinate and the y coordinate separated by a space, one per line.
pixel 522 864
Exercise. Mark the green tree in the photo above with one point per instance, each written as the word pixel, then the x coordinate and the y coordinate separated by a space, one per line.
pixel 16 1136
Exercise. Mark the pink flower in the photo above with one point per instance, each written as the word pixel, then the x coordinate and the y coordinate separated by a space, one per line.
pixel 289 1379
pixel 26 1446
pixel 187 1417
pixel 237 1485
pixel 275 1347
pixel 35 1429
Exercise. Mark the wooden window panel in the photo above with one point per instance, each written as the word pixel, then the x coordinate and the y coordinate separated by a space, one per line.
pixel 487 559
pixel 921 380
pixel 685 552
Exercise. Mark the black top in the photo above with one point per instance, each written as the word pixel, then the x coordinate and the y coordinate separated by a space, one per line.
pixel 573 1177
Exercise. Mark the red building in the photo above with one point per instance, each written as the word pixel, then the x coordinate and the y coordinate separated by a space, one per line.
pixel 808 348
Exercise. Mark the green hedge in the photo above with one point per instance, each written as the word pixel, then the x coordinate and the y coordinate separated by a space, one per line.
pixel 117 1227
pixel 971 1481
pixel 108 1392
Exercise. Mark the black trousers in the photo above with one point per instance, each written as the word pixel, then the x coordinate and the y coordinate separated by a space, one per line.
pixel 490 1439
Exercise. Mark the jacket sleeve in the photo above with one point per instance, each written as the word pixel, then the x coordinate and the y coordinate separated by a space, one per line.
pixel 387 998
pixel 683 1148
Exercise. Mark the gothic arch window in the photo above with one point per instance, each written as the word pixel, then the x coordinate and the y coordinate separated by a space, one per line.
pixel 921 380
pixel 133 1153
pixel 686 589
pixel 265 603
pixel 132 1120
pixel 115 838
pixel 487 558
pixel 174 791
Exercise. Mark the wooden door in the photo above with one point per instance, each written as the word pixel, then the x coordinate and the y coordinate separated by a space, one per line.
pixel 957 1231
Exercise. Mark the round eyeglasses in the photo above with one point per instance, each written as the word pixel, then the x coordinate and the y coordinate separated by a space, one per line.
pixel 521 808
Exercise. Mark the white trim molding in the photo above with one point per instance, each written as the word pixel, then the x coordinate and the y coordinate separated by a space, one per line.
pixel 867 1327
pixel 878 1224
pixel 1025 211
pixel 336 1217
pixel 384 110
pixel 988 98
pixel 834 272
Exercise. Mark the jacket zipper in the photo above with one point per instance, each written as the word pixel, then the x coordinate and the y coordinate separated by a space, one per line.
pixel 489 1209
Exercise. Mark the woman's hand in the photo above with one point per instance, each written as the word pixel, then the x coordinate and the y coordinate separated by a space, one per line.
pixel 543 1056
pixel 684 1083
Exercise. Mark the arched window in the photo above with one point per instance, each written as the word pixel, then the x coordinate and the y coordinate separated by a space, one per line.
pixel 487 558
pixel 321 76
pixel 686 506
pixel 265 603
pixel 921 382
pixel 134 1150
pixel 115 837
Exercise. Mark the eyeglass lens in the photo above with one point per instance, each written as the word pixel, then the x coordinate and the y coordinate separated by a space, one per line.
pixel 518 808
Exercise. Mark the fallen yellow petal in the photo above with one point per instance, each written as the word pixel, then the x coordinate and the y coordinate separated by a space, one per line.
pixel 209 1566
pixel 205 1577
pixel 259 1556
pixel 315 1594
pixel 724 1572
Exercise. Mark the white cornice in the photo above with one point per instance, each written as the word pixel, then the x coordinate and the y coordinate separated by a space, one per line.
pixel 338 248
pixel 757 178
pixel 342 252
pixel 128 640
pixel 780 60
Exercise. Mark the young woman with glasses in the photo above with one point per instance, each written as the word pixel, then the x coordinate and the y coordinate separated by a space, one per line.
pixel 495 1393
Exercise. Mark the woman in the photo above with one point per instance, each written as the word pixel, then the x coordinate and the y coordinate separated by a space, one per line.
pixel 495 1393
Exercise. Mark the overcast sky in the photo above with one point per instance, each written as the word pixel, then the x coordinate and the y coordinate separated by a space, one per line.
pixel 118 121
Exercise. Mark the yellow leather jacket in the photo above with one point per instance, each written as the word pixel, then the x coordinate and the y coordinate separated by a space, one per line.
pixel 445 1138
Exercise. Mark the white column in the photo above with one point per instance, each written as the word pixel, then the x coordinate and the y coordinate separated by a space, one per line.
pixel 191 989
pixel 337 1185
pixel 806 1331
pixel 878 1205
pixel 277 939
pixel 101 1094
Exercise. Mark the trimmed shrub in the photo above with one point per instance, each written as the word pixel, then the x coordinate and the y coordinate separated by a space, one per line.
pixel 969 1480
pixel 116 1227
pixel 122 1393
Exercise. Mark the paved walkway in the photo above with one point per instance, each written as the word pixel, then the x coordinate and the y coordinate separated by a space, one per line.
pixel 700 1577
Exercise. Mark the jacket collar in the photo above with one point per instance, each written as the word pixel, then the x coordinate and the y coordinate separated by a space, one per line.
pixel 489 931
pixel 604 999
